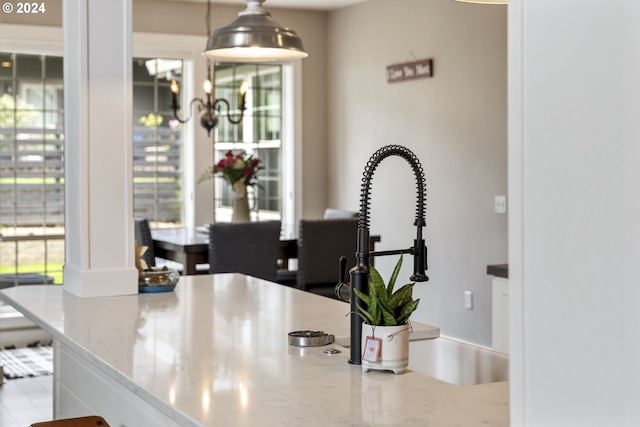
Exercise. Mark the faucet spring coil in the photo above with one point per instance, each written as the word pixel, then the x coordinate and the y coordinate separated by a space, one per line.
pixel 373 163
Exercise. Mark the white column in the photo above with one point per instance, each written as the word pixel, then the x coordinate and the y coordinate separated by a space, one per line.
pixel 574 212
pixel 98 154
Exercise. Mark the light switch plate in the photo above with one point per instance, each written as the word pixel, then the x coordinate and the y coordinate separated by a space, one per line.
pixel 468 300
pixel 500 204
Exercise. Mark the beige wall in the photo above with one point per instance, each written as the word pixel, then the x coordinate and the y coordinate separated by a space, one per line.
pixel 52 16
pixel 456 123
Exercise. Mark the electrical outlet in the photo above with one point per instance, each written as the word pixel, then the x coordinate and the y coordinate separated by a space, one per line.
pixel 500 204
pixel 468 300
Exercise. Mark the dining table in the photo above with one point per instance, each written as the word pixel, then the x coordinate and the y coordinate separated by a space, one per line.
pixel 189 246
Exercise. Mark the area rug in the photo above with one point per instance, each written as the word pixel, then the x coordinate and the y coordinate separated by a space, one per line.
pixel 27 362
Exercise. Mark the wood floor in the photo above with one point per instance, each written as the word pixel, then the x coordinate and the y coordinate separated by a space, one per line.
pixel 26 401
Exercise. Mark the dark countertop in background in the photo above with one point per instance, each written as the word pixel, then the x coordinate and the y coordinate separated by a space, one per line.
pixel 498 270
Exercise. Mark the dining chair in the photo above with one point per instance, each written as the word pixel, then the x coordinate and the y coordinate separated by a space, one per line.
pixel 143 237
pixel 90 421
pixel 332 213
pixel 250 248
pixel 321 243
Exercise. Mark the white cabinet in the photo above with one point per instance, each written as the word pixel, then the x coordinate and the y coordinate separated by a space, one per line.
pixel 500 314
pixel 82 388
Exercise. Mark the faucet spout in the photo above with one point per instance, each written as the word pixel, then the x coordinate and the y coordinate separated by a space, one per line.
pixel 359 274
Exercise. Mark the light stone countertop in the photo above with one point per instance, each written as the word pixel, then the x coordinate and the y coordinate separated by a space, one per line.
pixel 215 352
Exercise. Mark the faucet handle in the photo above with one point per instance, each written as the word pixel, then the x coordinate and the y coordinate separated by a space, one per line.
pixel 343 288
pixel 342 272
pixel 419 261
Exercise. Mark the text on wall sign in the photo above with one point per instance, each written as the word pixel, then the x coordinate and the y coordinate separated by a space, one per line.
pixel 410 70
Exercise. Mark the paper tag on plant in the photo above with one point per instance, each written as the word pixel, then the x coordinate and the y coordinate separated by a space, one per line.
pixel 371 350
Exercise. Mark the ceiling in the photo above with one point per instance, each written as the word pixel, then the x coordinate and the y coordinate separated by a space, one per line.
pixel 294 4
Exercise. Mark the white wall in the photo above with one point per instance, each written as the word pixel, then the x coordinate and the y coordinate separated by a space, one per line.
pixel 455 122
pixel 575 206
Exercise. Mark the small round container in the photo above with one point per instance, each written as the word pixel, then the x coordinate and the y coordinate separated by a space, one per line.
pixel 158 279
pixel 310 338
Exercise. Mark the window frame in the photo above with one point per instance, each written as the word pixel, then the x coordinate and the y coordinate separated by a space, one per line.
pixel 286 144
pixel 227 81
pixel 154 140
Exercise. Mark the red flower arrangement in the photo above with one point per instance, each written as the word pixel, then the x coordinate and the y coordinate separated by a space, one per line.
pixel 235 167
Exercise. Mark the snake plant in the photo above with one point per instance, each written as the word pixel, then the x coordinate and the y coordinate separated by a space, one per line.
pixel 386 307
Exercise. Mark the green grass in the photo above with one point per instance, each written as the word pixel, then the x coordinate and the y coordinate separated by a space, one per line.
pixel 48 180
pixel 53 180
pixel 53 269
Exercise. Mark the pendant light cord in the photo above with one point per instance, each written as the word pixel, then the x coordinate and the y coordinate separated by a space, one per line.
pixel 208 25
pixel 207 20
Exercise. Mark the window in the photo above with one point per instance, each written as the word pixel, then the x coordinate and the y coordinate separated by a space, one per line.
pixel 157 143
pixel 259 133
pixel 32 225
pixel 31 165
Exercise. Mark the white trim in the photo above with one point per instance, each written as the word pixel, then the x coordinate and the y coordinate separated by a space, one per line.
pixel 291 140
pixel 298 144
pixel 188 151
pixel 516 232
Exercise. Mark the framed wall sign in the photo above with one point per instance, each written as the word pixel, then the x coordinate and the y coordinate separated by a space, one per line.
pixel 410 70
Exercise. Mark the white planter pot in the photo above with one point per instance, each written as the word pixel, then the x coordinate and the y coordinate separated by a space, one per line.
pixel 394 348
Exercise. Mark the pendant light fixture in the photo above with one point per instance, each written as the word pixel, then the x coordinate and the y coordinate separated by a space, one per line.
pixel 254 37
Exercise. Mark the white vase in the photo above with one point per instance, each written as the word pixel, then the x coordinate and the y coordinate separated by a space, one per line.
pixel 394 348
pixel 240 203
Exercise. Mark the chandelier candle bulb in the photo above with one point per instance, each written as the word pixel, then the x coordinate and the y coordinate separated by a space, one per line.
pixel 174 94
pixel 243 93
pixel 208 86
